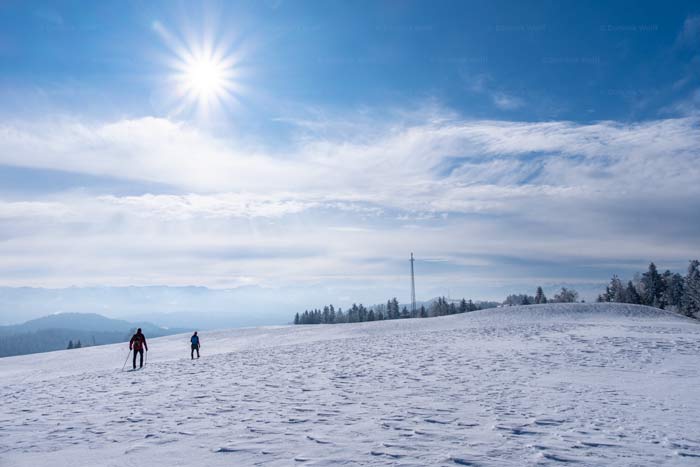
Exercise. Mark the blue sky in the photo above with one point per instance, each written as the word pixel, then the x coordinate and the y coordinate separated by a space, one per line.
pixel 508 144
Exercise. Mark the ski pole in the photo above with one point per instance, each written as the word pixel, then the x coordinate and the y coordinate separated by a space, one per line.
pixel 127 359
pixel 146 360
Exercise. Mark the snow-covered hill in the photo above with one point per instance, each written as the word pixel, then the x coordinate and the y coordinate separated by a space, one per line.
pixel 600 384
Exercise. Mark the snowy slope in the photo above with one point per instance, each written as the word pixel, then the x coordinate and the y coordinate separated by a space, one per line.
pixel 600 384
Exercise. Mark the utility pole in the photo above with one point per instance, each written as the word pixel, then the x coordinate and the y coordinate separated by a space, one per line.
pixel 413 289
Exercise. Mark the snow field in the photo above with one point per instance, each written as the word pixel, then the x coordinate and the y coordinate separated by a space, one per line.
pixel 598 384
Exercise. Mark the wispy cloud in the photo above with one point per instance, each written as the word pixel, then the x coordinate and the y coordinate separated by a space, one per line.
pixel 485 188
pixel 507 102
pixel 484 84
pixel 416 157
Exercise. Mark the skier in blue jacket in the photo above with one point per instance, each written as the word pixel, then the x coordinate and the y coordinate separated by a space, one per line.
pixel 195 345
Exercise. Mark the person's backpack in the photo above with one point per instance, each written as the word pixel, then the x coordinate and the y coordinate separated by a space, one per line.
pixel 138 342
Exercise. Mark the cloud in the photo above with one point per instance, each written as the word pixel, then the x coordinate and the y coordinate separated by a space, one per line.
pixel 194 206
pixel 147 149
pixel 483 83
pixel 506 102
pixel 437 184
pixel 416 157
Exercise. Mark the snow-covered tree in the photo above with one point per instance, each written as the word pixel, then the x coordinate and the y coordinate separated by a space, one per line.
pixel 519 299
pixel 540 296
pixel 452 309
pixel 614 292
pixel 691 297
pixel 632 294
pixel 463 306
pixel 652 287
pixel 566 296
pixel 617 290
pixel 393 309
pixel 674 288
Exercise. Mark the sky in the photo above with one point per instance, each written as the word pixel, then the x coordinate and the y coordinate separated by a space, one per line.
pixel 294 146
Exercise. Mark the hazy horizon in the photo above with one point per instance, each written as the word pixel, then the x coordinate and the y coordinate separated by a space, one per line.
pixel 305 150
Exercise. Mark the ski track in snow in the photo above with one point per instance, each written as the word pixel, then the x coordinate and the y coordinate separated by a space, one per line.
pixel 545 385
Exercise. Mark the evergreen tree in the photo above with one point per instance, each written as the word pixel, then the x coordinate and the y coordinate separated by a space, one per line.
pixel 463 306
pixel 691 297
pixel 566 296
pixel 423 312
pixel 518 299
pixel 539 296
pixel 617 290
pixel 390 310
pixel 353 314
pixel 439 307
pixel 674 289
pixel 605 296
pixel 404 313
pixel 70 344
pixel 632 294
pixel 78 345
pixel 395 306
pixel 434 308
pixel 296 318
pixel 652 287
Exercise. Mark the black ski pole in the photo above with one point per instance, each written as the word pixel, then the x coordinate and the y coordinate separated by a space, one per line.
pixel 127 359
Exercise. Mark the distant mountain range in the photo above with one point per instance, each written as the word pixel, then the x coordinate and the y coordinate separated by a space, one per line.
pixel 163 305
pixel 54 332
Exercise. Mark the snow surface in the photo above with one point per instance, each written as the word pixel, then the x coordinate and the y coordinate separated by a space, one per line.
pixel 597 384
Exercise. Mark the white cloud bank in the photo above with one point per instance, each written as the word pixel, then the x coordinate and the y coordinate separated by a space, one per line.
pixel 473 188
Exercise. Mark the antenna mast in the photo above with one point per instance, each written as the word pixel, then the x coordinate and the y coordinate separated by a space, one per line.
pixel 413 289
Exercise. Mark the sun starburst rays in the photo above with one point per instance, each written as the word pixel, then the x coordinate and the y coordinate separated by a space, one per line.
pixel 204 75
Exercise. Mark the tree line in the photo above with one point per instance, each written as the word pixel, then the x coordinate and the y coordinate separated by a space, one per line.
pixel 667 290
pixel 78 344
pixel 565 295
pixel 392 310
pixel 47 340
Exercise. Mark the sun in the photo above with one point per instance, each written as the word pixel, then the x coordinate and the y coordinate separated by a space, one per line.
pixel 205 75
pixel 206 81
pixel 205 78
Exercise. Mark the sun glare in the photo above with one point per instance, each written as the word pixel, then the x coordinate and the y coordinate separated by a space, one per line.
pixel 205 78
pixel 206 75
pixel 206 82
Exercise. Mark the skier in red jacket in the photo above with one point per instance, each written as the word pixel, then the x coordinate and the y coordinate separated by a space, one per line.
pixel 137 344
